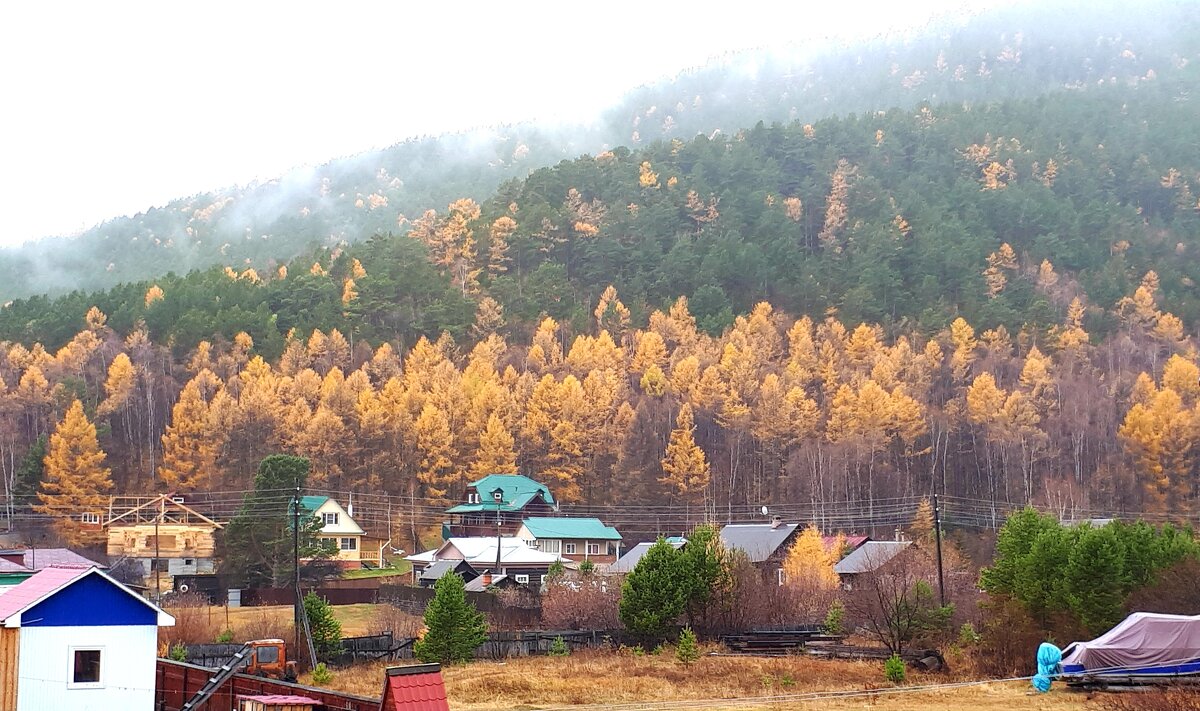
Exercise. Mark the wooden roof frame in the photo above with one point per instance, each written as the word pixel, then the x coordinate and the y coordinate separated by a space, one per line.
pixel 162 503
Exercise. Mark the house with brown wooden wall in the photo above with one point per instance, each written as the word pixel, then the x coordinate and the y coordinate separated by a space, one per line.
pixel 165 536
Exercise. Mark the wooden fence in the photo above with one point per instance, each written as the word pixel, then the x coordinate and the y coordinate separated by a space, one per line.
pixel 175 682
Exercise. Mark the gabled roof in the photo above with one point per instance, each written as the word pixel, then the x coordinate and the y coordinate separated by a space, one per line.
pixel 758 541
pixel 49 582
pixel 870 556
pixel 481 553
pixel 414 688
pixel 572 528
pixel 42 558
pixel 629 561
pixel 517 491
pixel 441 567
pixel 349 527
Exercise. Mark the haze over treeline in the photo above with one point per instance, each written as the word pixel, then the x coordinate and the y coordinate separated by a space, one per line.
pixel 1001 54
pixel 980 282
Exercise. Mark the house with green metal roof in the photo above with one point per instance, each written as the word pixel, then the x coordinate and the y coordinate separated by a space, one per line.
pixel 351 542
pixel 576 539
pixel 497 503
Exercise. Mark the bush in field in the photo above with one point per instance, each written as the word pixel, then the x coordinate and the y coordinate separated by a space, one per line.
pixel 893 669
pixel 835 619
pixel 321 674
pixel 559 648
pixel 178 653
pixel 454 628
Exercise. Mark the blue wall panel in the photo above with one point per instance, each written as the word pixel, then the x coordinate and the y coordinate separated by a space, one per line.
pixel 92 601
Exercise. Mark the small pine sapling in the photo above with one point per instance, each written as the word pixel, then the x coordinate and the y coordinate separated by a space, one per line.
pixel 687 651
pixel 893 669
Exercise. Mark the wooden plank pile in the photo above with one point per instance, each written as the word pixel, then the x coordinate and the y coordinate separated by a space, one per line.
pixel 774 643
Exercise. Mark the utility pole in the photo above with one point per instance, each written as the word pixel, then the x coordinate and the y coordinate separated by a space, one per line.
pixel 298 605
pixel 157 572
pixel 498 495
pixel 937 533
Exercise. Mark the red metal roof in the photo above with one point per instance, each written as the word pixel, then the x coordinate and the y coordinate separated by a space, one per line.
pixel 414 688
pixel 36 587
pixel 851 542
pixel 282 700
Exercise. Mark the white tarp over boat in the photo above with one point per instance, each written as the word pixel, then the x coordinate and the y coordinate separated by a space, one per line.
pixel 1143 644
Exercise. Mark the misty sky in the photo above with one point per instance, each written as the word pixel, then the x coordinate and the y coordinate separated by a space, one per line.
pixel 110 108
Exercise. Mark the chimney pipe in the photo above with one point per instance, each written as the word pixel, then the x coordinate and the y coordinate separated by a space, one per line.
pixel 776 522
pixel 487 578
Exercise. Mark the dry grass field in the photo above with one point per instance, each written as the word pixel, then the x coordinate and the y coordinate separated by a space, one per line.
pixel 199 624
pixel 595 678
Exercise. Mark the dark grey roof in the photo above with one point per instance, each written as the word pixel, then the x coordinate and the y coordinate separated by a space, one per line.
pixel 477 585
pixel 870 556
pixel 757 540
pixel 436 570
pixel 629 561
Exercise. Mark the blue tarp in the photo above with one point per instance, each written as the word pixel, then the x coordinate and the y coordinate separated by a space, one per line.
pixel 1048 659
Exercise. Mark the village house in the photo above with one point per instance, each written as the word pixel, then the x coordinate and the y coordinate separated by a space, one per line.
pixel 627 562
pixel 74 638
pixel 498 501
pixel 163 536
pixel 868 558
pixel 576 539
pixel 767 544
pixel 353 546
pixel 524 564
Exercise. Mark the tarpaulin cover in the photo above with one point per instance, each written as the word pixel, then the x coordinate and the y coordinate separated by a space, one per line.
pixel 1048 658
pixel 1143 643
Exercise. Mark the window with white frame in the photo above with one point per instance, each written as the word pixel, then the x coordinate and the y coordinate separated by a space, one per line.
pixel 522 579
pixel 550 545
pixel 472 498
pixel 89 517
pixel 349 544
pixel 330 518
pixel 780 575
pixel 86 669
pixel 569 548
pixel 593 549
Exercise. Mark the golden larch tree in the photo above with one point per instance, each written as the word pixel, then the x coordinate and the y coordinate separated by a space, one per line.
pixel 685 468
pixel 189 444
pixel 77 482
pixel 435 448
pixel 497 452
pixel 809 563
pixel 122 379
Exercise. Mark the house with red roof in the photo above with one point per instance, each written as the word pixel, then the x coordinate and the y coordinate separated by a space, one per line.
pixel 72 637
pixel 414 688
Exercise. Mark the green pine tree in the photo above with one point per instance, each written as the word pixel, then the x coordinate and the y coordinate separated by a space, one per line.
pixel 453 627
pixel 687 650
pixel 326 630
pixel 30 472
pixel 655 593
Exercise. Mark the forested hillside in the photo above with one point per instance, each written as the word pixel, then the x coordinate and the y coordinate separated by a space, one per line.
pixel 992 300
pixel 1003 54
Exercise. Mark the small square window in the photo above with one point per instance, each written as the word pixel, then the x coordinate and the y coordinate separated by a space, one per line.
pixel 189 561
pixel 349 544
pixel 85 667
pixel 569 548
pixel 522 579
pixel 330 519
pixel 89 517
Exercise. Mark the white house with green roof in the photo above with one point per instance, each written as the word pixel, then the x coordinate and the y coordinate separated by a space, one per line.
pixel 498 503
pixel 339 527
pixel 576 539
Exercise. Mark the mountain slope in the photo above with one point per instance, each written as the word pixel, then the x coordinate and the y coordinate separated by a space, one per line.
pixel 995 56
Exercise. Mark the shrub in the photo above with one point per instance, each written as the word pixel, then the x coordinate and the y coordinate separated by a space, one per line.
pixel 586 567
pixel 687 651
pixel 893 669
pixel 226 636
pixel 321 675
pixel 179 652
pixel 835 619
pixel 967 636
pixel 559 648
pixel 454 628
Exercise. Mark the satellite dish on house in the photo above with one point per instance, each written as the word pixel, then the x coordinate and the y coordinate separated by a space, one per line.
pixel 184 588
pixel 764 511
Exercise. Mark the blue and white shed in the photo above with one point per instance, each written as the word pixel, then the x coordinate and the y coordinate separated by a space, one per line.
pixel 74 638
